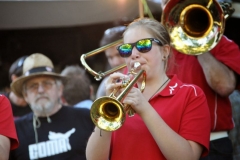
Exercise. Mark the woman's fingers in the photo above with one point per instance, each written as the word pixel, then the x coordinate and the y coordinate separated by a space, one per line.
pixel 115 81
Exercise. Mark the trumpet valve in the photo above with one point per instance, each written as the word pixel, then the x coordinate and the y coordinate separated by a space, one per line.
pixel 125 81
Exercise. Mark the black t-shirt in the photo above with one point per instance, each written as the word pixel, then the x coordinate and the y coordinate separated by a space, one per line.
pixel 18 111
pixel 65 138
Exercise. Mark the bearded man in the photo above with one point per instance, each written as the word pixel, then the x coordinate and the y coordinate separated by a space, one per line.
pixel 52 131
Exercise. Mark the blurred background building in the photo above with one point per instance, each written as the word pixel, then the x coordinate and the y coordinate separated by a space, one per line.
pixel 62 30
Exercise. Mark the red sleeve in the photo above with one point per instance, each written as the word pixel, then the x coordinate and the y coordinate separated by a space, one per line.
pixel 195 124
pixel 7 126
pixel 228 53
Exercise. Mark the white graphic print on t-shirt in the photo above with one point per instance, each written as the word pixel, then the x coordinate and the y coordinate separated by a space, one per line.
pixel 57 143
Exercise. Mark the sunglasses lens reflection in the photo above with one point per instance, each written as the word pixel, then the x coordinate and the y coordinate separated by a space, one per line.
pixel 125 50
pixel 143 46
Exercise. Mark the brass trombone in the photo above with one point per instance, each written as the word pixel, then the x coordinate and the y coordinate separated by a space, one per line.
pixel 98 76
pixel 195 26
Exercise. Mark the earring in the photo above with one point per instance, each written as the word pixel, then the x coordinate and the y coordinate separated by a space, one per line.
pixel 164 58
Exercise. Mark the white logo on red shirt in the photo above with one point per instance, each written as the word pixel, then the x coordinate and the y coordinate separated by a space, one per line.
pixel 172 88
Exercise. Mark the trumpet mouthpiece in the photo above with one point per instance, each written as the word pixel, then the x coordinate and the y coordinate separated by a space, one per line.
pixel 136 65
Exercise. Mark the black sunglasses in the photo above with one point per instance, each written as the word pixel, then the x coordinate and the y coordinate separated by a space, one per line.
pixel 143 46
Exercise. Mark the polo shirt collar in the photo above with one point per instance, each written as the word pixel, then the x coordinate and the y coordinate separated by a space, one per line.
pixel 172 87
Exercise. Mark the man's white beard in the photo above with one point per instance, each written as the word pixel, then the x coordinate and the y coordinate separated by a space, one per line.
pixel 43 108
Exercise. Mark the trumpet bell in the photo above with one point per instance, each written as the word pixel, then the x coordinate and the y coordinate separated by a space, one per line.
pixel 195 26
pixel 107 113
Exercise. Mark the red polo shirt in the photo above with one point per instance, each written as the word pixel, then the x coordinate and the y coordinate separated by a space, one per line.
pixel 183 107
pixel 7 126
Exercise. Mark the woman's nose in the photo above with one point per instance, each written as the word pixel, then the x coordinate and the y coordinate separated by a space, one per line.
pixel 135 53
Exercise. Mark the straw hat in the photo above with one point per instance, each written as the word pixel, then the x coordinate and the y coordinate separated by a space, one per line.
pixel 34 65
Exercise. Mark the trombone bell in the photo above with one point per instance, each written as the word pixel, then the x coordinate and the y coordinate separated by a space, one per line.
pixel 195 26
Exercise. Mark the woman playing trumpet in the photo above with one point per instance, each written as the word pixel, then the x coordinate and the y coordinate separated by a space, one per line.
pixel 172 119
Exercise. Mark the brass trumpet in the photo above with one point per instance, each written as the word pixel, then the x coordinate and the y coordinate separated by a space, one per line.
pixel 108 113
pixel 98 76
pixel 195 26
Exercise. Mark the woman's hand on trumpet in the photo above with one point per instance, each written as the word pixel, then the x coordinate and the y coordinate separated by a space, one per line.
pixel 114 83
pixel 134 97
pixel 137 101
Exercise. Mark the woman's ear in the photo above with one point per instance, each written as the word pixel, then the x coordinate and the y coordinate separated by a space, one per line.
pixel 166 52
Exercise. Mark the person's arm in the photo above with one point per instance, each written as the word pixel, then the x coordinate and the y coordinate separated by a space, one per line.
pixel 7 127
pixel 218 76
pixel 4 147
pixel 172 145
pixel 98 146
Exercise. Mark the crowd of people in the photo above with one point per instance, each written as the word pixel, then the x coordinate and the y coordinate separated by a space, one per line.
pixel 185 111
